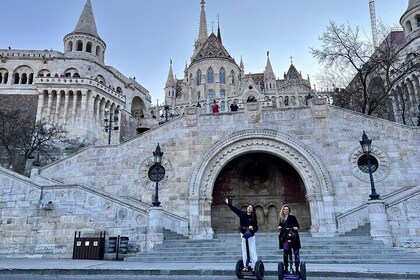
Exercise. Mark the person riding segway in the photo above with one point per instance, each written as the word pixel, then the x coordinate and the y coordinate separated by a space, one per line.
pixel 249 265
pixel 289 241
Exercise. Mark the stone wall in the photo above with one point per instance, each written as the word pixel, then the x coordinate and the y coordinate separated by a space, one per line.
pixel 107 188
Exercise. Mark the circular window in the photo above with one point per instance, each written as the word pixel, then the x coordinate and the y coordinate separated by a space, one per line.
pixel 378 160
pixel 250 87
pixel 362 163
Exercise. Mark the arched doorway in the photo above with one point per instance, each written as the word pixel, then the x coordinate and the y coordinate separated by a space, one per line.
pixel 264 180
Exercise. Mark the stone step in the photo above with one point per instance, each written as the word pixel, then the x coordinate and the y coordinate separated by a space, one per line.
pixel 225 248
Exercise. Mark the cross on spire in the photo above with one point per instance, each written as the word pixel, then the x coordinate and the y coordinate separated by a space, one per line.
pixel 291 59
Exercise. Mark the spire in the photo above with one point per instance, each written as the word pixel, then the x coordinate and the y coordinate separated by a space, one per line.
pixel 219 35
pixel 241 65
pixel 86 23
pixel 373 22
pixel 202 33
pixel 268 72
pixel 170 81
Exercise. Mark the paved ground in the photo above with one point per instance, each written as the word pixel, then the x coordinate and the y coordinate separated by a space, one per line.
pixel 70 267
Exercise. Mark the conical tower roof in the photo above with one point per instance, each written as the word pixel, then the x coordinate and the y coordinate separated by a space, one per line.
pixel 412 4
pixel 87 23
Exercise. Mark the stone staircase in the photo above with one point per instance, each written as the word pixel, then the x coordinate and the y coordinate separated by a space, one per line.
pixel 225 248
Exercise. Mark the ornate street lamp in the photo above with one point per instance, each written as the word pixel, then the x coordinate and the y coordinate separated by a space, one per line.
pixel 366 145
pixel 157 173
pixel 111 117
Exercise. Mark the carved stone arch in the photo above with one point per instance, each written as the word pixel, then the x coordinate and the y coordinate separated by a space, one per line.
pixel 308 165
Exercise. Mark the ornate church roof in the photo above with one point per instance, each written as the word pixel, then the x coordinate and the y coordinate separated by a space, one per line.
pixel 212 48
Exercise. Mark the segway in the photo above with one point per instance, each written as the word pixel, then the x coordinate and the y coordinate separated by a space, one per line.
pixel 291 274
pixel 258 270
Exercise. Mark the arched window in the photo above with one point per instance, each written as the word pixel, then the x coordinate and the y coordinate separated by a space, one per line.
pixel 16 81
pixel 417 20
pixel 211 94
pixel 210 76
pixel 222 77
pixel 222 93
pixel 198 96
pixel 79 46
pixel 233 76
pixel 286 101
pixel 98 51
pixel 199 75
pixel 24 78
pixel 223 106
pixel 408 26
pixel 89 47
pixel 70 46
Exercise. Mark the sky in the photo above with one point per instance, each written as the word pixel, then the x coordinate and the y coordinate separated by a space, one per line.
pixel 143 36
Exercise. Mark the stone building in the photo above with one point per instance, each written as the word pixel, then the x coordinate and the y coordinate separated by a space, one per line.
pixel 75 88
pixel 305 153
pixel 214 75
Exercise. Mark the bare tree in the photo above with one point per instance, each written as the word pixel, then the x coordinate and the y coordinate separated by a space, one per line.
pixel 366 74
pixel 21 137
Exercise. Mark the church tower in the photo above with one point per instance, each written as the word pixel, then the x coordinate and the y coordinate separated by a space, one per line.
pixel 84 40
pixel 269 77
pixel 202 32
pixel 170 87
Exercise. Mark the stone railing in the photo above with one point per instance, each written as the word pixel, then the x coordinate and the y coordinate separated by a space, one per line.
pixel 80 81
pixel 359 216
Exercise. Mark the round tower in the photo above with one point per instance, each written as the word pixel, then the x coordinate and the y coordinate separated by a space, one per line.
pixel 410 20
pixel 84 40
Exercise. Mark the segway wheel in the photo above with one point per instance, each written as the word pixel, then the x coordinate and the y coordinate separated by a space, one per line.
pixel 239 268
pixel 280 270
pixel 302 274
pixel 259 270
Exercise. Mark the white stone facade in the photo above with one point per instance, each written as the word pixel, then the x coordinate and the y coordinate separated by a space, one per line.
pixel 75 88
pixel 106 188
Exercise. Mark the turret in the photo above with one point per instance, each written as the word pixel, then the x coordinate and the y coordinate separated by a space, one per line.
pixel 269 77
pixel 84 41
pixel 202 33
pixel 170 87
pixel 410 20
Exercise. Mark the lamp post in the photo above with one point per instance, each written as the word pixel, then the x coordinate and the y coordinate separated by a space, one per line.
pixel 157 173
pixel 366 145
pixel 166 108
pixel 111 117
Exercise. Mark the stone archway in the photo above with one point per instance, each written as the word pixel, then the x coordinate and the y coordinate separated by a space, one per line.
pixel 263 180
pixel 319 191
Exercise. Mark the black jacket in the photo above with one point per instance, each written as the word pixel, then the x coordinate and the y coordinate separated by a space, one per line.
pixel 289 223
pixel 245 220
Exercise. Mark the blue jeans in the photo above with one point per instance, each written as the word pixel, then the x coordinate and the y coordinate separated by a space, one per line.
pixel 286 256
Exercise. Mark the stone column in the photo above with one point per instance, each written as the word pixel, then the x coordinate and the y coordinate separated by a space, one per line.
pixel 379 224
pixel 83 108
pixel 66 107
pixel 40 106
pixel 57 107
pixel 49 104
pixel 155 227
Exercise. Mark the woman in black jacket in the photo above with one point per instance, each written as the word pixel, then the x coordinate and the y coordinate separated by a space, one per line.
pixel 288 223
pixel 249 226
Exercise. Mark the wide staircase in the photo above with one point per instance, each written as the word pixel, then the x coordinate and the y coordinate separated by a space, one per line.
pixel 352 248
